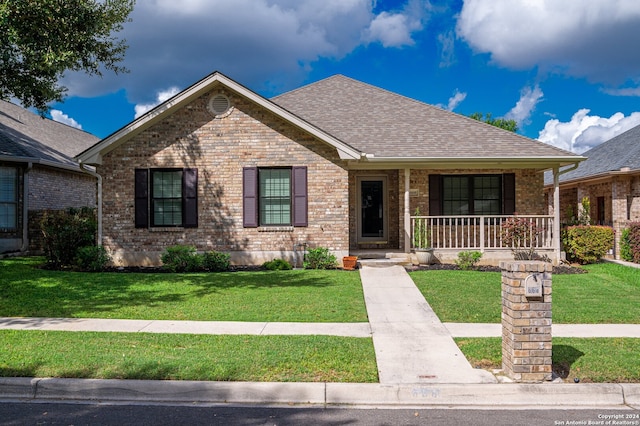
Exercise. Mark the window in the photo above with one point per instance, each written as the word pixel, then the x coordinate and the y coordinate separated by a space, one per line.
pixel 274 196
pixel 8 197
pixel 166 197
pixel 460 195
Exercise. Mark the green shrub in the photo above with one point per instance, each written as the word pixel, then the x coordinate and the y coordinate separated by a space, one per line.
pixel 521 235
pixel 468 259
pixel 277 265
pixel 587 244
pixel 630 243
pixel 319 258
pixel 216 261
pixel 92 258
pixel 181 258
pixel 64 232
pixel 625 245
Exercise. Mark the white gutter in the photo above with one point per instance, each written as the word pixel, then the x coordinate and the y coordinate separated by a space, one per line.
pixel 25 209
pixel 99 200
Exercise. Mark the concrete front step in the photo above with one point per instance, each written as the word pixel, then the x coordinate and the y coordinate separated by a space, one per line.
pixel 381 259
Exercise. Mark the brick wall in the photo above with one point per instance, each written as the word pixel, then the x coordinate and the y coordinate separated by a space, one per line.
pixel 220 148
pixel 53 189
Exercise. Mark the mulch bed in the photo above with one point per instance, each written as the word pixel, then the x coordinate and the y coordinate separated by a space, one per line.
pixel 560 269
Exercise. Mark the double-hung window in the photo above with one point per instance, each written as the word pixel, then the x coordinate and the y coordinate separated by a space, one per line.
pixel 8 198
pixel 166 198
pixel 274 196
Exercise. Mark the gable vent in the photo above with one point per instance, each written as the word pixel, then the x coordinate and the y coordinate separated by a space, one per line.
pixel 219 105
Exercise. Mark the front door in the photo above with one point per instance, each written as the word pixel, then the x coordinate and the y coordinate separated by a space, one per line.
pixel 372 226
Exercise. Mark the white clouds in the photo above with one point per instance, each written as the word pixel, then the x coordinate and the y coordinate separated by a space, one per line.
pixel 392 30
pixel 160 98
pixel 454 101
pixel 63 118
pixel 579 38
pixel 261 43
pixel 447 52
pixel 529 98
pixel 585 131
pixel 395 29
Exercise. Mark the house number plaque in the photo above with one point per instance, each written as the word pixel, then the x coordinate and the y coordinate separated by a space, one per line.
pixel 533 285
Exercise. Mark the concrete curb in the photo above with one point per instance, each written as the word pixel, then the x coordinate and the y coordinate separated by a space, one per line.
pixel 548 395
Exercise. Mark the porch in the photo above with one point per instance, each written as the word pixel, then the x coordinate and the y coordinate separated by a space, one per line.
pixel 449 235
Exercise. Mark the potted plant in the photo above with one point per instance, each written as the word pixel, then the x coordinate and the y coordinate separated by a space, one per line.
pixel 422 241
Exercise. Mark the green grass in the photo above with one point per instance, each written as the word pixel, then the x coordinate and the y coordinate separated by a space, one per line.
pixel 186 357
pixel 590 360
pixel 608 293
pixel 283 296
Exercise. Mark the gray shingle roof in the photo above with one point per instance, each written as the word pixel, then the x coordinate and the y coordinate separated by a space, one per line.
pixel 388 125
pixel 612 155
pixel 26 135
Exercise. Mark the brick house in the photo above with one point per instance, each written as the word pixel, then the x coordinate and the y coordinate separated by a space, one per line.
pixel 338 163
pixel 38 173
pixel 610 179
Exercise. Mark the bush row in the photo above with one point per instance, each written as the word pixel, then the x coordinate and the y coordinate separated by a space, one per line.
pixel 587 243
pixel 183 258
pixel 69 239
pixel 630 243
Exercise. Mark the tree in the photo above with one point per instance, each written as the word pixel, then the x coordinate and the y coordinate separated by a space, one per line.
pixel 503 123
pixel 41 39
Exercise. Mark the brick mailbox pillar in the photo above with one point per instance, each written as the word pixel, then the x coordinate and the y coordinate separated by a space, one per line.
pixel 526 320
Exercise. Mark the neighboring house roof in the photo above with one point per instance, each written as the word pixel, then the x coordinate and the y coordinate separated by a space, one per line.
pixel 371 127
pixel 28 137
pixel 387 126
pixel 620 154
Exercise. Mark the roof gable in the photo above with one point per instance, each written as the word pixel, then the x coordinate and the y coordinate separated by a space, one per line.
pixel 25 136
pixel 384 124
pixel 93 155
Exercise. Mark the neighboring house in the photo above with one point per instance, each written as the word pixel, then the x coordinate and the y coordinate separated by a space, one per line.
pixel 338 164
pixel 610 179
pixel 37 173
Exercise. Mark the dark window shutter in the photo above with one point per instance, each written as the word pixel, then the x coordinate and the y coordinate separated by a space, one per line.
pixel 300 202
pixel 141 198
pixel 508 193
pixel 435 198
pixel 190 198
pixel 250 197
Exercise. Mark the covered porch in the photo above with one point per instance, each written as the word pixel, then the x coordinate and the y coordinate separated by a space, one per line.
pixel 390 206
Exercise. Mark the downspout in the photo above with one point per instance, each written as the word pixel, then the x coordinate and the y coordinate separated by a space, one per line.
pixel 556 207
pixel 99 200
pixel 25 209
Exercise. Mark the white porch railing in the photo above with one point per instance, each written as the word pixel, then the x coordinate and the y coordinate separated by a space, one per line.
pixel 476 232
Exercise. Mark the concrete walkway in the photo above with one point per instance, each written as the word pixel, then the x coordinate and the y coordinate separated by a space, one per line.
pixel 411 344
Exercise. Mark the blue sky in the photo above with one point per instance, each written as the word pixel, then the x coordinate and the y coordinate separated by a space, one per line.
pixel 567 71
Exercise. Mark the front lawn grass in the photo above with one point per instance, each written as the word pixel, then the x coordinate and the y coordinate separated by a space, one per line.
pixel 608 293
pixel 601 360
pixel 282 296
pixel 186 357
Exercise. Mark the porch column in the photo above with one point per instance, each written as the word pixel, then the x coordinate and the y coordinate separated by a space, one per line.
pixel 407 212
pixel 556 214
